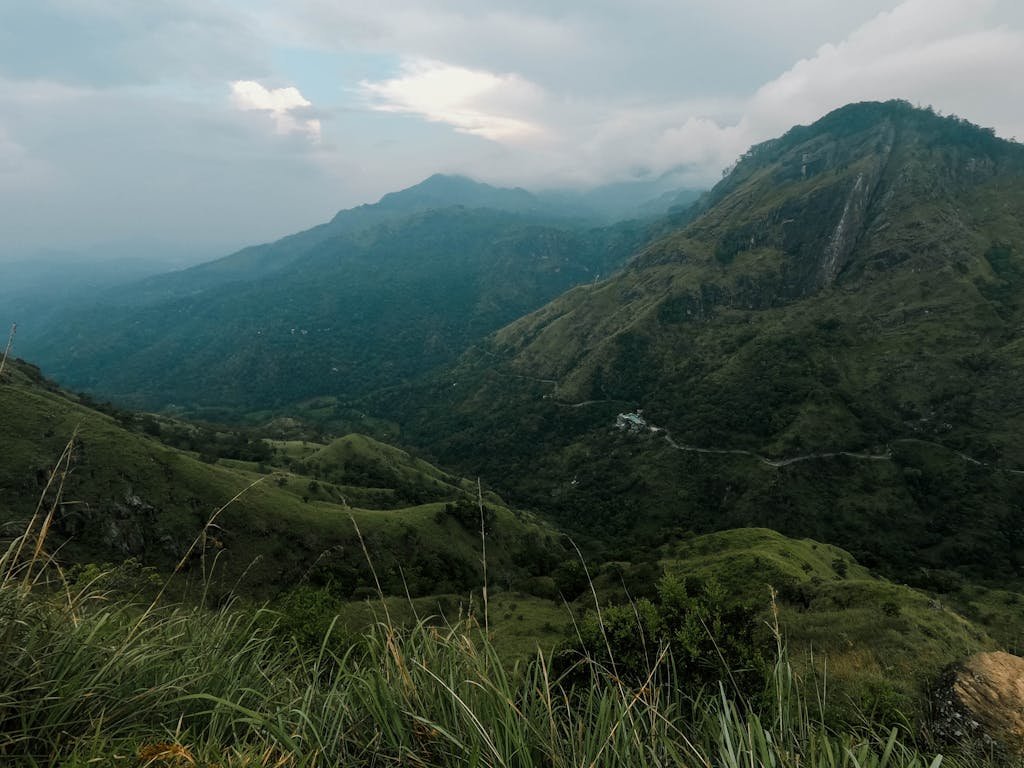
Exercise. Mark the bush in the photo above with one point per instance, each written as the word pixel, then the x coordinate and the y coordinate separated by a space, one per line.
pixel 709 638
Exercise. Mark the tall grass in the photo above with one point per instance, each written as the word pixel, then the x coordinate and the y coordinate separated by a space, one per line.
pixel 90 680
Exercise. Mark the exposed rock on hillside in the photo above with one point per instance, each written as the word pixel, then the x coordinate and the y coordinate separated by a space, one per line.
pixel 984 699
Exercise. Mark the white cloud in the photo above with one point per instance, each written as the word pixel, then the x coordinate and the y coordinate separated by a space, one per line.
pixel 13 156
pixel 944 53
pixel 472 101
pixel 947 53
pixel 936 52
pixel 281 103
pixel 667 49
pixel 101 98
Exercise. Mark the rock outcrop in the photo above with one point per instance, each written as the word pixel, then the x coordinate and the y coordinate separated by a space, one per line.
pixel 982 699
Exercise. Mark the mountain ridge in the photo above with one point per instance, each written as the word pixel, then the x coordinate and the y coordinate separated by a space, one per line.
pixel 852 283
pixel 348 312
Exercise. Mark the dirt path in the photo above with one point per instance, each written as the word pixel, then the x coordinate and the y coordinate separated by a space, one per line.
pixel 585 402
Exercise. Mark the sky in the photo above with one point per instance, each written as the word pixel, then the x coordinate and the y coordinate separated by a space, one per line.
pixel 211 124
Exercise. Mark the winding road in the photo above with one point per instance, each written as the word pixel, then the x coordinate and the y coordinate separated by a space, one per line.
pixel 777 463
pixel 887 456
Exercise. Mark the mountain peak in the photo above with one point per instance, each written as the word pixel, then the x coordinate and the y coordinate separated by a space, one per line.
pixel 848 124
pixel 443 191
pixel 923 122
pixel 813 193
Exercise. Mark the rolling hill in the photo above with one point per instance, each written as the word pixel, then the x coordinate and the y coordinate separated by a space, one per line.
pixel 256 527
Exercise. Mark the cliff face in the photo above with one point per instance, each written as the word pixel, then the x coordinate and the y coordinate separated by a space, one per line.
pixel 982 699
pixel 822 198
pixel 819 218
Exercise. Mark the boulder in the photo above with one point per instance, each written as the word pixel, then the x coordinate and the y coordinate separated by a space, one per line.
pixel 982 699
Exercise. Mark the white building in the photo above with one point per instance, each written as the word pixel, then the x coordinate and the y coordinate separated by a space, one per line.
pixel 631 422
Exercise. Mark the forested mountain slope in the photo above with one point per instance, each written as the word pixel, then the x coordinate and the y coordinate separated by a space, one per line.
pixel 832 348
pixel 379 295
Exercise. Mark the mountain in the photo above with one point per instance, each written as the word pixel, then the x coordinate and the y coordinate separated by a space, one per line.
pixel 38 285
pixel 254 262
pixel 445 191
pixel 830 348
pixel 378 295
pixel 284 515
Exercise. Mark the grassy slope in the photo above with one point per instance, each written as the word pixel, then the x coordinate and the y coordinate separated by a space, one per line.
pixel 129 495
pixel 878 643
pixel 884 642
pixel 190 687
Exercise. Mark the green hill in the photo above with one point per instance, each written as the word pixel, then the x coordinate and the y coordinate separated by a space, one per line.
pixel 877 645
pixel 128 495
pixel 876 637
pixel 830 349
pixel 288 521
pixel 379 295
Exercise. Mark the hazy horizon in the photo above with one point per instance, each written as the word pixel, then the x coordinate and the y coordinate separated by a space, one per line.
pixel 207 126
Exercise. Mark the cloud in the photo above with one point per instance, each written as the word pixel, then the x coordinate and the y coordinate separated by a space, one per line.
pixel 113 43
pixel 944 53
pixel 643 52
pixel 285 106
pixel 94 165
pixel 937 52
pixel 605 94
pixel 13 156
pixel 116 115
pixel 471 101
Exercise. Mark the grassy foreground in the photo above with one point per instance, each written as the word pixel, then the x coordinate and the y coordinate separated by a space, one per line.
pixel 86 679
